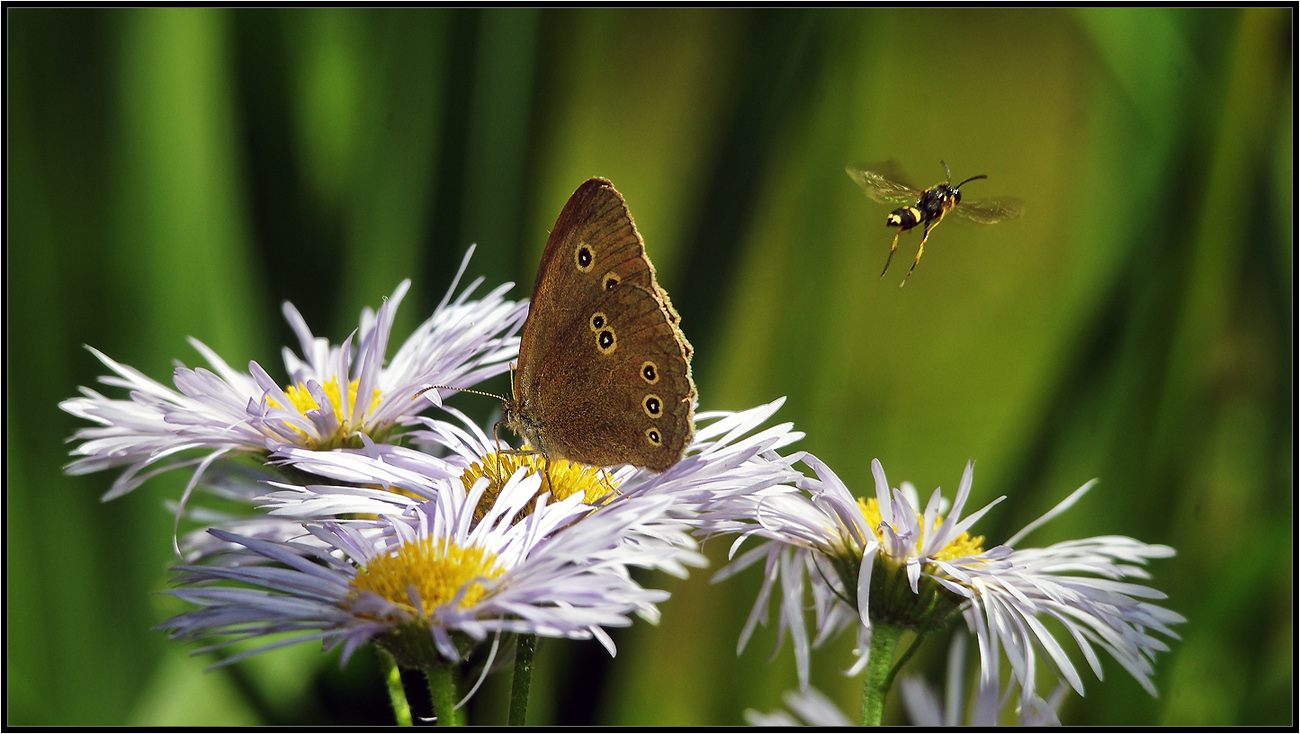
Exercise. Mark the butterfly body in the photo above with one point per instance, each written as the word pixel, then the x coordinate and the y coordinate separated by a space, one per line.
pixel 604 374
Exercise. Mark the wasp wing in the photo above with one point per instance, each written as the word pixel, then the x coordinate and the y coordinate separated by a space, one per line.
pixel 988 211
pixel 884 182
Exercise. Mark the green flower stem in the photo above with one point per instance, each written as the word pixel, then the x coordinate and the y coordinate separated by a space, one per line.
pixel 902 659
pixel 396 693
pixel 884 638
pixel 442 689
pixel 524 649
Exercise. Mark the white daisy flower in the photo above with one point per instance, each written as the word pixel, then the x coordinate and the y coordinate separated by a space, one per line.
pixel 726 458
pixel 885 560
pixel 923 704
pixel 230 494
pixel 925 707
pixel 432 580
pixel 221 411
pixel 808 707
pixel 729 456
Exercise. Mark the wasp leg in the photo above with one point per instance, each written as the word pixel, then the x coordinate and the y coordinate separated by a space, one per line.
pixel 892 248
pixel 919 251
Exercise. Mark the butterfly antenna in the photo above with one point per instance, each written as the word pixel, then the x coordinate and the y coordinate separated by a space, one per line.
pixel 457 389
pixel 495 438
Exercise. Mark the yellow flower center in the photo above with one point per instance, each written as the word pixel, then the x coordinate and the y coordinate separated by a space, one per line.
pixel 562 478
pixel 302 399
pixel 962 546
pixel 434 569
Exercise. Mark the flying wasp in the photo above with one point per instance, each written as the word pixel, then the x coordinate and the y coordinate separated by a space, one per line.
pixel 926 207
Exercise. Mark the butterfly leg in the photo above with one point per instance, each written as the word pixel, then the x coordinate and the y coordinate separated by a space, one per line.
pixel 892 248
pixel 919 252
pixel 497 440
pixel 549 486
pixel 608 482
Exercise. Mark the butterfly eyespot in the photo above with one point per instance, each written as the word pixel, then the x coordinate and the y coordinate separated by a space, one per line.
pixel 598 321
pixel 652 435
pixel 649 372
pixel 611 279
pixel 583 256
pixel 653 407
pixel 606 342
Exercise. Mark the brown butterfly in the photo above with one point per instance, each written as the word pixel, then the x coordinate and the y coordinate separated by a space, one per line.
pixel 604 372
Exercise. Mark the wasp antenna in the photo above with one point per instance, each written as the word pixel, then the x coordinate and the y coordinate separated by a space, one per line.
pixel 972 178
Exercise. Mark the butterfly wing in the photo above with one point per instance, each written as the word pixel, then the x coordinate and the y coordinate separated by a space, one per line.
pixel 583 400
pixel 595 217
pixel 615 387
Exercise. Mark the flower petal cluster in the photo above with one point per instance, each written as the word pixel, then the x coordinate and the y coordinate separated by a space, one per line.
pixel 366 521
pixel 339 531
pixel 338 394
pixel 559 558
pixel 809 707
pixel 547 574
pixel 924 705
pixel 727 457
pixel 891 560
pixel 336 531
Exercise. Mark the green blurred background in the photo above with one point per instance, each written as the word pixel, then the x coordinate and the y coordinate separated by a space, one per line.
pixel 178 172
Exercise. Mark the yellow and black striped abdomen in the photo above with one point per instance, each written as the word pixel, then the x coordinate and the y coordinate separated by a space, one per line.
pixel 905 217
